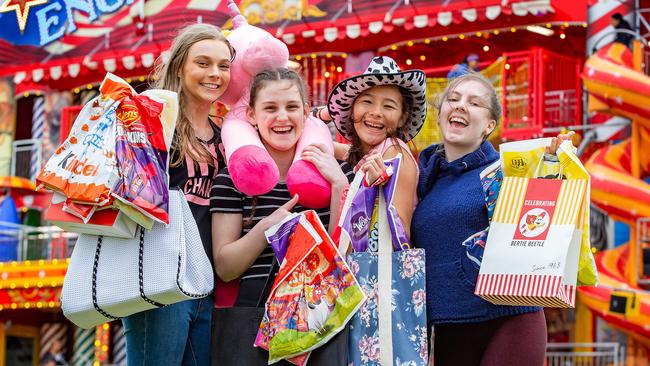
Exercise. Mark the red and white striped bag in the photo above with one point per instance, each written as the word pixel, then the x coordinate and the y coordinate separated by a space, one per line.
pixel 533 246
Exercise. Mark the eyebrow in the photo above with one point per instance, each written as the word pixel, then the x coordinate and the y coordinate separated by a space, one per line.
pixel 202 56
pixel 370 94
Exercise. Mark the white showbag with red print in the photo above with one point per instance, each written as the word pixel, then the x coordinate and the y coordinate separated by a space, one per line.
pixel 533 246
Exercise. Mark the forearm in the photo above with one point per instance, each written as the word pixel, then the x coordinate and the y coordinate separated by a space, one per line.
pixel 235 258
pixel 335 205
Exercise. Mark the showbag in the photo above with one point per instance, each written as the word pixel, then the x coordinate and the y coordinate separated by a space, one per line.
pixel 533 246
pixel 314 294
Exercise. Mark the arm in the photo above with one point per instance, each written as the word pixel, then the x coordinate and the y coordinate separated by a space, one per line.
pixel 233 255
pixel 341 150
pixel 407 181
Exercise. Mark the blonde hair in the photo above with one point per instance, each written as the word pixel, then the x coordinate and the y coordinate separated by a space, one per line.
pixel 167 77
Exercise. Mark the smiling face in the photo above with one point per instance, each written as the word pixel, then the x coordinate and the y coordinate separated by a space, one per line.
pixel 377 113
pixel 466 117
pixel 206 72
pixel 279 112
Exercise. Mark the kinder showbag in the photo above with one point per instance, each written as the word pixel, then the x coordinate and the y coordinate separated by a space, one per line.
pixel 84 167
pixel 390 328
pixel 314 294
pixel 533 247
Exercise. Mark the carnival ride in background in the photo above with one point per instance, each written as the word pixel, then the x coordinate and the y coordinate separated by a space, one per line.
pixel 618 188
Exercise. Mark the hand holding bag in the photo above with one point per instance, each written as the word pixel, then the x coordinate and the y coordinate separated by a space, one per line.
pixel 109 278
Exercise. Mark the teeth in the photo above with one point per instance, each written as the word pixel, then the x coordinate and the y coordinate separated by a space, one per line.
pixel 282 129
pixel 212 86
pixel 374 125
pixel 458 120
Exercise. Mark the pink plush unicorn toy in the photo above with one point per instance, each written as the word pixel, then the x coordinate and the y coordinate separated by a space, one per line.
pixel 252 169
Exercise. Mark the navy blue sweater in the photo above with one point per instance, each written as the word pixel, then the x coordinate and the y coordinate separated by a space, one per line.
pixel 452 207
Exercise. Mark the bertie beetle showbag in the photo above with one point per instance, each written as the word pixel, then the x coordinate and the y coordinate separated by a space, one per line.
pixel 533 254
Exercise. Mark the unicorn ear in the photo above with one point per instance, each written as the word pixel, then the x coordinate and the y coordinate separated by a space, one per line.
pixel 237 19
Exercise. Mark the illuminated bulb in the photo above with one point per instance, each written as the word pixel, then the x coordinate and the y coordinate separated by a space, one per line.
pixel 584 25
pixel 409 43
pixel 129 80
pixel 41 262
pixel 339 69
pixel 104 348
pixel 423 57
pixel 393 47
pixel 344 55
pixel 496 31
pixel 27 305
pixel 97 343
pixel 327 74
pixel 76 90
pixel 486 48
pixel 427 41
pixel 89 86
pixel 462 36
pixel 39 304
pixel 562 36
pixel 298 58
pixel 105 326
pixel 13 306
pixel 513 29
pixel 478 34
pixel 409 62
pixel 313 55
pixel 548 25
pixel 507 66
pixel 25 94
pixel 328 55
pixel 51 304
pixel 444 39
pixel 141 78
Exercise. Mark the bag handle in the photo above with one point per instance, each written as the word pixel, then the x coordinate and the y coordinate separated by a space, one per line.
pixel 267 289
pixel 94 281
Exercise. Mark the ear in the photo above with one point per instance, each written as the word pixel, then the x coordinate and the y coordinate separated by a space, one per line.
pixel 250 115
pixel 307 110
pixel 491 125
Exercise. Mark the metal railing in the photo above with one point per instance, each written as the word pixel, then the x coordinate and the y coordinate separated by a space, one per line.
pixel 21 242
pixel 585 354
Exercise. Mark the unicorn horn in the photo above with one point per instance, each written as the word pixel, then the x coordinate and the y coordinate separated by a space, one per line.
pixel 237 19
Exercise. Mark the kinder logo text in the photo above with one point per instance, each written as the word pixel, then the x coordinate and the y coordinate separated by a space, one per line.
pixel 79 167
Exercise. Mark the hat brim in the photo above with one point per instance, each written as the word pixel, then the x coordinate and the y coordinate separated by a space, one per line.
pixel 342 98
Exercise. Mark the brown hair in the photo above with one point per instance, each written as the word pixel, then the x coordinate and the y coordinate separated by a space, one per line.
pixel 495 105
pixel 260 80
pixel 355 154
pixel 166 74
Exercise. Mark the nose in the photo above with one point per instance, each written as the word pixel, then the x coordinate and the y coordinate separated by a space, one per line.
pixel 214 71
pixel 282 114
pixel 459 105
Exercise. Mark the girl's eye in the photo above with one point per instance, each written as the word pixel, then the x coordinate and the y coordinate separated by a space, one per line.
pixel 224 67
pixel 389 107
pixel 202 64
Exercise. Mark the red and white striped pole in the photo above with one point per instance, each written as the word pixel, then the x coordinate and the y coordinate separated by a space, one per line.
pixel 600 33
pixel 599 14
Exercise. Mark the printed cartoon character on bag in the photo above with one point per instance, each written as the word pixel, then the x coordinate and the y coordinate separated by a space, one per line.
pixel 535 223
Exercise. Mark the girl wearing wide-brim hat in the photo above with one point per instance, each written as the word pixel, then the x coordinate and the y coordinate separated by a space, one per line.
pixel 378 112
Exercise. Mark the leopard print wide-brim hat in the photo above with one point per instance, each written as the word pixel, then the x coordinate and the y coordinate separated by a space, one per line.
pixel 382 70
